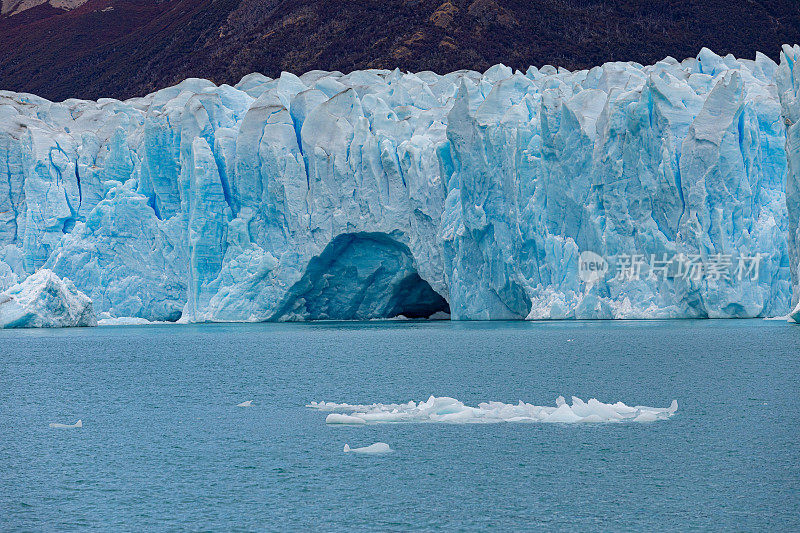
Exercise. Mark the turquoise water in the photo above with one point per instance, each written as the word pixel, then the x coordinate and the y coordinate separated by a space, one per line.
pixel 164 447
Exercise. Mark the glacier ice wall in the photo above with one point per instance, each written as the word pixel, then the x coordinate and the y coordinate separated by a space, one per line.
pixel 44 300
pixel 788 81
pixel 378 193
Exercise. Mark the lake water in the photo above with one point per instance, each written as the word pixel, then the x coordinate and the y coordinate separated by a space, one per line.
pixel 163 445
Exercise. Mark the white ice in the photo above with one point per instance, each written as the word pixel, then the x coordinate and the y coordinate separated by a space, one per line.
pixel 335 418
pixel 372 449
pixel 128 321
pixel 44 300
pixel 323 196
pixel 78 424
pixel 450 410
pixel 248 403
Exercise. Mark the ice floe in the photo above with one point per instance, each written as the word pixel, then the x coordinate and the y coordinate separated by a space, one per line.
pixel 336 418
pixel 450 410
pixel 78 424
pixel 372 449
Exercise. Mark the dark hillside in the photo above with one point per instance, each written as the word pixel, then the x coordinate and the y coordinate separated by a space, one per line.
pixel 124 48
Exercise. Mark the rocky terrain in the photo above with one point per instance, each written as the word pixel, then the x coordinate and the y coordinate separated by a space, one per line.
pixel 123 48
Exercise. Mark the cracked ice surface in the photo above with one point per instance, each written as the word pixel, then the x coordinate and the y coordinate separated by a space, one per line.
pixel 450 410
pixel 380 193
pixel 44 300
pixel 788 81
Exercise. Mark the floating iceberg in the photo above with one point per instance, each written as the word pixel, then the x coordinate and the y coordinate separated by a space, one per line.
pixel 336 418
pixel 450 410
pixel 248 403
pixel 78 424
pixel 44 300
pixel 383 193
pixel 372 449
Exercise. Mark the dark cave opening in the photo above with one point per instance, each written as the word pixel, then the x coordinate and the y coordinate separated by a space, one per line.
pixel 362 276
pixel 415 298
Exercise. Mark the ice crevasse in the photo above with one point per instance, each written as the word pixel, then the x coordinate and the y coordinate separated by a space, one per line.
pixel 381 193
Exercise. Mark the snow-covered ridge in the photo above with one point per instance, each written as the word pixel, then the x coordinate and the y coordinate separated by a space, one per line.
pixel 14 7
pixel 380 193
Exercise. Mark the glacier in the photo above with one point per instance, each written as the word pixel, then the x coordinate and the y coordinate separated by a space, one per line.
pixel 380 193
pixel 788 82
pixel 44 300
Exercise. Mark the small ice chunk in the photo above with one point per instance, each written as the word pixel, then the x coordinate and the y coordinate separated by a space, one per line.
pixel 441 406
pixel 521 419
pixel 646 416
pixel 563 414
pixel 621 408
pixel 606 411
pixel 248 403
pixel 338 418
pixel 673 407
pixel 383 416
pixel 377 448
pixel 78 424
pixel 457 416
pixel 580 408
